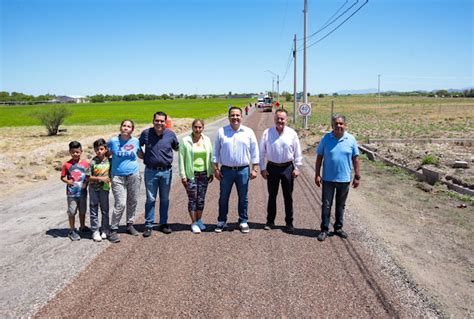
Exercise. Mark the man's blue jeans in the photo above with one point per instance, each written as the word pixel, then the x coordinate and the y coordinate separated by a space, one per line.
pixel 341 190
pixel 241 179
pixel 157 180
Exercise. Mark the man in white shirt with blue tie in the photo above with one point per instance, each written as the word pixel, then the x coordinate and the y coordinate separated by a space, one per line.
pixel 235 149
pixel 280 145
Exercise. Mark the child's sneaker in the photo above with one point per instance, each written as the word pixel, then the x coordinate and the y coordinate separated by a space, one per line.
pixel 195 228
pixel 96 236
pixel 114 238
pixel 131 230
pixel 201 224
pixel 73 235
pixel 85 229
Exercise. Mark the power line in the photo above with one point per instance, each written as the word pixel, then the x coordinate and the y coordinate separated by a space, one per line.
pixel 340 24
pixel 327 23
pixel 290 59
pixel 340 8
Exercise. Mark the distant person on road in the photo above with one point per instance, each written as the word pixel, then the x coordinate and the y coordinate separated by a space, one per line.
pixel 98 173
pixel 125 150
pixel 338 153
pixel 159 143
pixel 280 145
pixel 246 110
pixel 195 170
pixel 235 149
pixel 73 173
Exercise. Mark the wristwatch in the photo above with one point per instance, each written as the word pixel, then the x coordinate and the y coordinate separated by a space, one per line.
pixel 357 177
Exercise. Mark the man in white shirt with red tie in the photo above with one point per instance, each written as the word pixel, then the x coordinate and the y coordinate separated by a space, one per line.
pixel 281 147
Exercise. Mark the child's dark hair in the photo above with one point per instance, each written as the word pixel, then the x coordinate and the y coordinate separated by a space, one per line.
pixel 100 142
pixel 75 144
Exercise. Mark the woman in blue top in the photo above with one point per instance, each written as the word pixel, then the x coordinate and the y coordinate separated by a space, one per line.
pixel 125 151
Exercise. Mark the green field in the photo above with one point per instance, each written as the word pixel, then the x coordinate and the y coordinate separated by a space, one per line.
pixel 367 116
pixel 115 112
pixel 395 116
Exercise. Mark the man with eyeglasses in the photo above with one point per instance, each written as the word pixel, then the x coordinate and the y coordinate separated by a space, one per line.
pixel 338 153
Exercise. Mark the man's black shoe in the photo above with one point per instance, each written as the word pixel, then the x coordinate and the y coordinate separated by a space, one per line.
pixel 340 233
pixel 322 235
pixel 268 226
pixel 147 232
pixel 165 229
pixel 289 228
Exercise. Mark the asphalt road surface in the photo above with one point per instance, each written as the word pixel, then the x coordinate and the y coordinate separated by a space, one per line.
pixel 259 274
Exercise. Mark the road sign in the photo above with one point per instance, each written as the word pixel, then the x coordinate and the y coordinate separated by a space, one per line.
pixel 304 109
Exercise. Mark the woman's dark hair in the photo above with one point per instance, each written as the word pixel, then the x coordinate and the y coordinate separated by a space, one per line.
pixel 127 120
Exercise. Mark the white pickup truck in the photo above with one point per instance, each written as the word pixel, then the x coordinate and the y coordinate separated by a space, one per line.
pixel 267 104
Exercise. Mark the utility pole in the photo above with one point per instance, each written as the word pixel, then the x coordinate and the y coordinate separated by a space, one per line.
pixel 278 84
pixel 378 90
pixel 305 93
pixel 278 88
pixel 295 91
pixel 273 84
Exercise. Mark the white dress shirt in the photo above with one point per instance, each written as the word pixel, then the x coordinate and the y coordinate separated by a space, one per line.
pixel 235 148
pixel 280 148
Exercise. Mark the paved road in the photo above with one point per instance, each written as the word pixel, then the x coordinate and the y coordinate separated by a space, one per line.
pixel 263 273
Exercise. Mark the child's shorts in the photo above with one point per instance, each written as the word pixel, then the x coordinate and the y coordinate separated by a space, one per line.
pixel 76 203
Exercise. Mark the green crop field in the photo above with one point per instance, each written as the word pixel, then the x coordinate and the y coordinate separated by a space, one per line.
pixel 115 112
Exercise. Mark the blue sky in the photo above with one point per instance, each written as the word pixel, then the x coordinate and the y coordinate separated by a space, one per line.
pixel 86 47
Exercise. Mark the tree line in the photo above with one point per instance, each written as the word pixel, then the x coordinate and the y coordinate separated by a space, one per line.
pixel 21 98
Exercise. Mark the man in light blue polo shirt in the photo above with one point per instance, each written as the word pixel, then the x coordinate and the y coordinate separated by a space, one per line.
pixel 338 153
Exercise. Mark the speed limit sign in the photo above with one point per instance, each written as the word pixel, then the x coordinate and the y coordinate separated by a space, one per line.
pixel 304 109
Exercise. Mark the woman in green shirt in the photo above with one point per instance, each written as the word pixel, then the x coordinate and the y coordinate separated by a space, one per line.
pixel 196 171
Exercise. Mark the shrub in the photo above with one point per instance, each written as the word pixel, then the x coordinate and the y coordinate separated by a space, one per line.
pixel 52 118
pixel 430 160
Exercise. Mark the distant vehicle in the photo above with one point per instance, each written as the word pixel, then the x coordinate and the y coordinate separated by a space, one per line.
pixel 260 102
pixel 267 104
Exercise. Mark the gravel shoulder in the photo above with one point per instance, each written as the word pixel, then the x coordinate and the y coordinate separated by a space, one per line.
pixel 428 234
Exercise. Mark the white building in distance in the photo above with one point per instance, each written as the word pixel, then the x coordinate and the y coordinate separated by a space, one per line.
pixel 70 99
